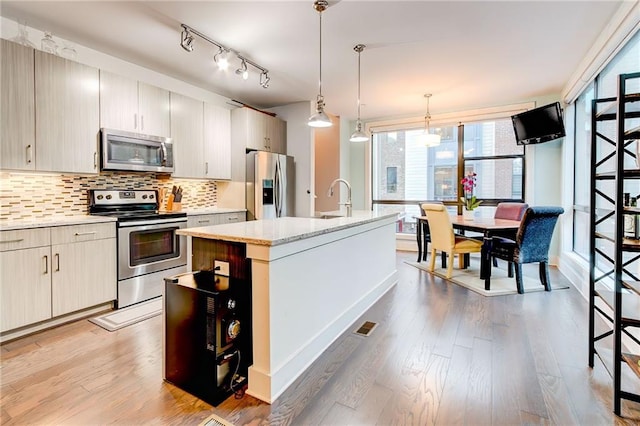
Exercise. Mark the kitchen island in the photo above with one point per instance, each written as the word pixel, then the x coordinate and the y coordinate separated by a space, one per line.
pixel 311 279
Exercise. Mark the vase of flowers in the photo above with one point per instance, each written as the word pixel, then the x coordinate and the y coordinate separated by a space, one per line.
pixel 469 201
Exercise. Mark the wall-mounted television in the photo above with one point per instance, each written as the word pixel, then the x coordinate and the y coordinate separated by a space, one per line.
pixel 539 125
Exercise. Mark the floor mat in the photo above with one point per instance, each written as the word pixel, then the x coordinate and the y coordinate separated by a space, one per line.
pixel 501 284
pixel 126 316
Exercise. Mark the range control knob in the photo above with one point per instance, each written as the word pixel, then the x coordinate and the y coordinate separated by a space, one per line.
pixel 151 196
pixel 109 197
pixel 100 197
pixel 231 304
pixel 233 330
pixel 144 197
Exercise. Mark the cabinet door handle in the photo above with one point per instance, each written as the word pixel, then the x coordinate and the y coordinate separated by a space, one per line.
pixel 78 234
pixel 29 154
pixel 95 159
pixel 57 255
pixel 206 168
pixel 46 264
pixel 141 122
pixel 135 121
pixel 12 241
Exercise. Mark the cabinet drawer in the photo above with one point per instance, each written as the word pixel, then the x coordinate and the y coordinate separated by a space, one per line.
pixel 24 238
pixel 202 220
pixel 88 232
pixel 231 217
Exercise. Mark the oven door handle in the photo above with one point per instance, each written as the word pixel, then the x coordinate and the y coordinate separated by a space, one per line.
pixel 151 222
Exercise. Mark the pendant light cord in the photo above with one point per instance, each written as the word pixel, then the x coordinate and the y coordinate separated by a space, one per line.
pixel 320 82
pixel 359 51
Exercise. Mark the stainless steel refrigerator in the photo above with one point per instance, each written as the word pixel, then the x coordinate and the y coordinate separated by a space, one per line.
pixel 270 185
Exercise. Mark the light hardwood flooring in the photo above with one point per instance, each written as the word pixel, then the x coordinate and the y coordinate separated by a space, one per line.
pixel 441 355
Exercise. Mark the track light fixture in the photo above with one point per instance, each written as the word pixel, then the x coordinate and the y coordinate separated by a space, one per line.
pixel 243 71
pixel 187 41
pixel 222 59
pixel 320 118
pixel 264 79
pixel 224 55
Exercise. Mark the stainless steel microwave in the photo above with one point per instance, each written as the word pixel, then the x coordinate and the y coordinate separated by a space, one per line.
pixel 136 152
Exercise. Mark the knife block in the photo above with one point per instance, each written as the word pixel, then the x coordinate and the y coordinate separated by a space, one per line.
pixel 173 206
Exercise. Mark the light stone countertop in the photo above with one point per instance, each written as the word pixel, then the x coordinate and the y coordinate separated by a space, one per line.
pixel 45 222
pixel 272 232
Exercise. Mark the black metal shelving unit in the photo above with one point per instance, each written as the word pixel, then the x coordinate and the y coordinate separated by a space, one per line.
pixel 614 291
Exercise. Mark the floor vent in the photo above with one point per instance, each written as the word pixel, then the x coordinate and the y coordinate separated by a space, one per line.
pixel 214 420
pixel 367 328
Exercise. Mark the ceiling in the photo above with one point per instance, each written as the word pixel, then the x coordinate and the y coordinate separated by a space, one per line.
pixel 468 54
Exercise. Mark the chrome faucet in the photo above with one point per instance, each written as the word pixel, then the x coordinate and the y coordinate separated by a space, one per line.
pixel 348 203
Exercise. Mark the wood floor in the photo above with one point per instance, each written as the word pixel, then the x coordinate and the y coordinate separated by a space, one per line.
pixel 441 355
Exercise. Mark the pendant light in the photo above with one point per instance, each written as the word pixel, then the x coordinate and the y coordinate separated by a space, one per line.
pixel 320 118
pixel 359 135
pixel 427 138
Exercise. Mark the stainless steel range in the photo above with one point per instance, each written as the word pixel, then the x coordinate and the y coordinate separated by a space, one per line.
pixel 148 248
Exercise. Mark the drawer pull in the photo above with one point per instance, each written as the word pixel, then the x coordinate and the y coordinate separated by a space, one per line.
pixel 233 218
pixel 204 221
pixel 57 255
pixel 12 241
pixel 78 234
pixel 46 264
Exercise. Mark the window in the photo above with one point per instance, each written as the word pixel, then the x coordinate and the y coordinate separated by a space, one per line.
pixel 405 172
pixel 604 85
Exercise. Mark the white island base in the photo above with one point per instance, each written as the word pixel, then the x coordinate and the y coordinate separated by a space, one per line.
pixel 311 280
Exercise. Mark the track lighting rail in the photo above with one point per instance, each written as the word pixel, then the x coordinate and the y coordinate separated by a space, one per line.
pixel 187 44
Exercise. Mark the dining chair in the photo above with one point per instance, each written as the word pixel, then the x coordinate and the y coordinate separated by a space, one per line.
pixel 445 240
pixel 531 244
pixel 426 233
pixel 510 211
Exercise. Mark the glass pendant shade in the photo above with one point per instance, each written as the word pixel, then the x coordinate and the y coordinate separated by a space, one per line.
pixel 430 139
pixel 319 119
pixel 358 135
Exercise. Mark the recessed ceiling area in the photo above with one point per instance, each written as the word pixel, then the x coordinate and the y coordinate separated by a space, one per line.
pixel 468 54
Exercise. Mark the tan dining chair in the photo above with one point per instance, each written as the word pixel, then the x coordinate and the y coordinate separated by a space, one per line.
pixel 445 240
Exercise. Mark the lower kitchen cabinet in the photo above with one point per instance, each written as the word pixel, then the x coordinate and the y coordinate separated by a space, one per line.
pixel 49 272
pixel 25 287
pixel 84 274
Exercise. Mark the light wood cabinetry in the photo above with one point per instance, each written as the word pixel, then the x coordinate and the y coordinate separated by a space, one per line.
pixel 67 115
pixel 194 221
pixel 129 105
pixel 25 277
pixel 217 142
pixel 187 135
pixel 210 219
pixel 259 131
pixel 48 272
pixel 17 107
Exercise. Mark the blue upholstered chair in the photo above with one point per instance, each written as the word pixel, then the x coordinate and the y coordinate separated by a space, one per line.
pixel 531 244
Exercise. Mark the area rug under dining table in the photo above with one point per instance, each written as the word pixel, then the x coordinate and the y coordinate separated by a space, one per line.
pixel 501 284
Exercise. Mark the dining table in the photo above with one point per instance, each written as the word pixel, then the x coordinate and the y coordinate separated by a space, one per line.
pixel 489 227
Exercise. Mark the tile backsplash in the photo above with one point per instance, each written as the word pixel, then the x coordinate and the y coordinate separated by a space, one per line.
pixel 33 196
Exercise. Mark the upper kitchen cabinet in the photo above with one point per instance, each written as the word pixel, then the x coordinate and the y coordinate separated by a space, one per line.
pixel 257 130
pixel 67 115
pixel 127 104
pixel 187 135
pixel 217 142
pixel 17 107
